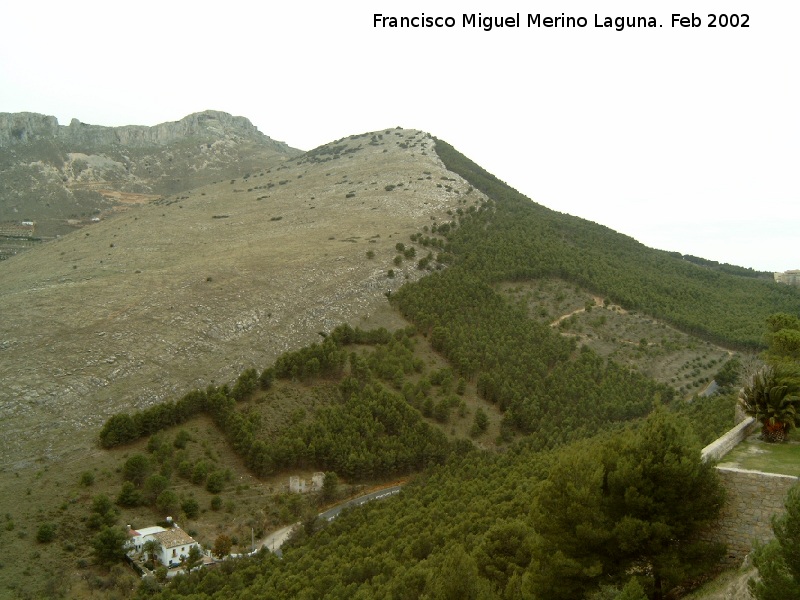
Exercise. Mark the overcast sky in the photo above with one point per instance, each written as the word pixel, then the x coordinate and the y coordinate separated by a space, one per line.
pixel 686 139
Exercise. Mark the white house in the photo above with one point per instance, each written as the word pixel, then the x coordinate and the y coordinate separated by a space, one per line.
pixel 175 543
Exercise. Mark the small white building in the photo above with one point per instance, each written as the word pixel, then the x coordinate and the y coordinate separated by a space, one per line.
pixel 317 479
pixel 297 485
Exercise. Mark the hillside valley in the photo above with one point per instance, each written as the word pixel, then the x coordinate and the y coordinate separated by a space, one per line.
pixel 192 289
pixel 225 311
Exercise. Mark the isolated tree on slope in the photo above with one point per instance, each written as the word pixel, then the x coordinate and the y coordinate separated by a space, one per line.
pixel 222 546
pixel 108 546
pixel 631 504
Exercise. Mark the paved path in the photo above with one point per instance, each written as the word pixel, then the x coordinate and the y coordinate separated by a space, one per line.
pixel 276 539
pixel 332 513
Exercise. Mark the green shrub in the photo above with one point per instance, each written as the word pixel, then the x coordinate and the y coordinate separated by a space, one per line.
pixel 167 502
pixel 136 469
pixel 191 508
pixel 181 439
pixel 46 533
pixel 200 472
pixel 129 496
pixel 481 423
pixel 216 482
pixel 154 486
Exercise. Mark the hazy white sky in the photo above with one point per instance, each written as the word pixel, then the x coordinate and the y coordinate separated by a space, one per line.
pixel 687 139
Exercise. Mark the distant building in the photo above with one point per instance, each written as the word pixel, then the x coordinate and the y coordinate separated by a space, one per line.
pixel 788 277
pixel 297 485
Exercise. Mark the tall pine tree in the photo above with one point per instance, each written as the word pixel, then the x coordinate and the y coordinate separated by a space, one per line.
pixel 630 504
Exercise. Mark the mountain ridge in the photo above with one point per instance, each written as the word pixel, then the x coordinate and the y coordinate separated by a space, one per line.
pixel 26 127
pixel 59 178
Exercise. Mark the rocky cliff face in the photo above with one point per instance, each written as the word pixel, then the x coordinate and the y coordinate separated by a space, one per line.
pixel 22 128
pixel 63 176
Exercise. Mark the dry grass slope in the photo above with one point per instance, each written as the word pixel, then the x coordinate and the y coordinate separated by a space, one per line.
pixel 195 288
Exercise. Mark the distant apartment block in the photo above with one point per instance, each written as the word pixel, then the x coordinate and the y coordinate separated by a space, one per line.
pixel 17 229
pixel 788 277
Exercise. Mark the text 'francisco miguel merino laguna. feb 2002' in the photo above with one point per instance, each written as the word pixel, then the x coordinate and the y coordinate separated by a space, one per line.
pixel 563 21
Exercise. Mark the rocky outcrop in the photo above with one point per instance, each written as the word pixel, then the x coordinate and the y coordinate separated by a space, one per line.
pixel 22 128
pixel 60 176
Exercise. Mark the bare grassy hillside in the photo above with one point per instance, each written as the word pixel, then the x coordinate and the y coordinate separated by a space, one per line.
pixel 193 288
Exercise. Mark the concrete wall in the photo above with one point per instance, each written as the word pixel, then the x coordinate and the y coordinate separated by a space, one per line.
pixel 722 445
pixel 752 499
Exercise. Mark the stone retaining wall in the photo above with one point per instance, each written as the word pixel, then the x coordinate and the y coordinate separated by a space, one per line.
pixel 752 499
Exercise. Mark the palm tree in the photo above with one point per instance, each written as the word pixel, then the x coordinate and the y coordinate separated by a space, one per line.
pixel 773 397
pixel 151 548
